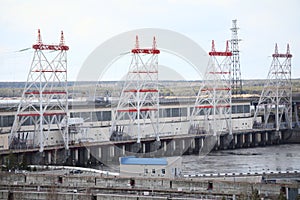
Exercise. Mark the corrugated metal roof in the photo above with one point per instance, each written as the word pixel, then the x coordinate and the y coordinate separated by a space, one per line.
pixel 143 161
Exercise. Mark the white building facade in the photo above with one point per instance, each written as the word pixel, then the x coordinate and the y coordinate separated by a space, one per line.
pixel 151 167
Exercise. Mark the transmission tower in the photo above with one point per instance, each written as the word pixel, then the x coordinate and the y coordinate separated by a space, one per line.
pixel 276 97
pixel 236 68
pixel 139 100
pixel 214 97
pixel 44 104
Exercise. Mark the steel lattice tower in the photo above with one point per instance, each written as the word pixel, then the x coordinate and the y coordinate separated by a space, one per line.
pixel 236 68
pixel 276 96
pixel 44 103
pixel 139 100
pixel 214 97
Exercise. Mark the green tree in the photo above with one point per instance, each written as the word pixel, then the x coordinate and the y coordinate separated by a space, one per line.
pixel 12 161
pixel 255 195
pixel 281 196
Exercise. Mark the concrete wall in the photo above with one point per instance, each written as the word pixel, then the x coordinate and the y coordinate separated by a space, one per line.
pixel 4 141
pixel 100 131
pixel 242 123
pixel 49 195
pixel 41 185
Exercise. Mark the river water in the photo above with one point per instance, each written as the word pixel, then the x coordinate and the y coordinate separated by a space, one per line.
pixel 251 160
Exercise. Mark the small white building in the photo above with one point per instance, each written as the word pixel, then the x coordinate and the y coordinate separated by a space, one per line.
pixel 150 167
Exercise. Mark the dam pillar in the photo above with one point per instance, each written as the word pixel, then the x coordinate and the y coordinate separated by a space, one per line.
pixel 280 135
pixel 49 157
pixel 165 146
pixel 123 150
pixel 76 155
pixel 192 146
pixel 143 147
pixel 88 153
pixel 277 137
pixel 174 145
pixel 99 153
pixel 257 138
pixel 193 143
pixel 235 143
pixel 111 151
pixel 218 146
pixel 267 137
pixel 54 157
pixel 243 140
pixel 201 143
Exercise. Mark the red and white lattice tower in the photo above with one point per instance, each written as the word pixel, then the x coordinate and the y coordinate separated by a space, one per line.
pixel 214 97
pixel 276 97
pixel 44 104
pixel 139 100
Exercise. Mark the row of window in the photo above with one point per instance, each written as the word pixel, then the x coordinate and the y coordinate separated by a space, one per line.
pixel 93 116
pixel 6 121
pixel 153 171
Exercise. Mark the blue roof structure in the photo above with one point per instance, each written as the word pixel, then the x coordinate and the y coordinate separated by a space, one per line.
pixel 143 161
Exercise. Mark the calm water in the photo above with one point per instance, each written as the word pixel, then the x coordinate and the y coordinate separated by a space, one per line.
pixel 262 159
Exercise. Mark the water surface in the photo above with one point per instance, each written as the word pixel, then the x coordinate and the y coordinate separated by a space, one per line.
pixel 261 159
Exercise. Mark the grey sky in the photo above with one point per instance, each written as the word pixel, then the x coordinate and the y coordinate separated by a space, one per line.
pixel 87 24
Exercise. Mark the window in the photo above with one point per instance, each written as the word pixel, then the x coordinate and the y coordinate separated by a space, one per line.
pixel 153 171
pixel 106 115
pixel 183 111
pixel 75 115
pixel 168 112
pixel 10 120
pixel 146 171
pixel 99 116
pixel 175 112
pixel 246 108
pixel 240 109
pixel 233 109
pixel 163 171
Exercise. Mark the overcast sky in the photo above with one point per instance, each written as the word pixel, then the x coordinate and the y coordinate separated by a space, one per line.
pixel 87 24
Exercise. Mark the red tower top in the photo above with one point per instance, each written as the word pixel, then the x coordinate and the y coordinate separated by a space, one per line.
pixel 40 46
pixel 137 49
pixel 282 55
pixel 219 53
